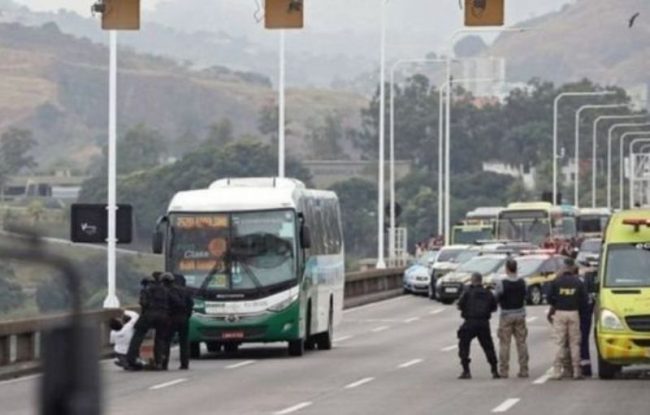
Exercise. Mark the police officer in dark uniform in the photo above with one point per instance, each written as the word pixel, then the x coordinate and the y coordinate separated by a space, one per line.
pixel 586 316
pixel 181 305
pixel 476 305
pixel 154 301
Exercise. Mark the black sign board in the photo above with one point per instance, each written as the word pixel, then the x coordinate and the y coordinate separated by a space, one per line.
pixel 89 223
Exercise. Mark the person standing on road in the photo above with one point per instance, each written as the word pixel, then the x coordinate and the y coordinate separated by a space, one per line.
pixel 154 301
pixel 567 297
pixel 181 305
pixel 511 296
pixel 476 305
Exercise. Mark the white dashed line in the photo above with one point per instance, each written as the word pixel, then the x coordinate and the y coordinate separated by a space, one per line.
pixel 380 328
pixel 342 338
pixel 506 405
pixel 410 363
pixel 364 307
pixel 437 311
pixel 545 377
pixel 531 319
pixel 168 384
pixel 241 364
pixel 293 409
pixel 449 348
pixel 411 320
pixel 359 383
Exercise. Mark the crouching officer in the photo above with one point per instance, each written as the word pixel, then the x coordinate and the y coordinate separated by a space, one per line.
pixel 181 306
pixel 476 305
pixel 154 301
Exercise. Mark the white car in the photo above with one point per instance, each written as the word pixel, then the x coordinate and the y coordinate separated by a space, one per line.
pixel 417 277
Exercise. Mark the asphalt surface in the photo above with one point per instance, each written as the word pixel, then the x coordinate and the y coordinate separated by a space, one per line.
pixel 394 357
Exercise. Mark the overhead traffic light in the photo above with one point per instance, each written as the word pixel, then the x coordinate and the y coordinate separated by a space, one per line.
pixel 283 14
pixel 118 14
pixel 484 12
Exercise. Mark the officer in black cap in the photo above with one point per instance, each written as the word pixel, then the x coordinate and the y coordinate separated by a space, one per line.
pixel 476 305
pixel 181 305
pixel 154 301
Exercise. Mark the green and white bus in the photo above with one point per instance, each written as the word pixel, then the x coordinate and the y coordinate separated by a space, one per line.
pixel 264 259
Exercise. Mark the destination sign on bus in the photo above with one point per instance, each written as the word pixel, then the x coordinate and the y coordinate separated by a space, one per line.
pixel 524 214
pixel 201 222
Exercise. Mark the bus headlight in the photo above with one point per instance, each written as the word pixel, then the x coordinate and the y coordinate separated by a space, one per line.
pixel 610 321
pixel 284 303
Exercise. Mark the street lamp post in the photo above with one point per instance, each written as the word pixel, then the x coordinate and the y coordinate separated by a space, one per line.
pixel 450 43
pixel 381 264
pixel 621 182
pixel 556 103
pixel 281 106
pixel 632 165
pixel 594 147
pixel 610 138
pixel 576 184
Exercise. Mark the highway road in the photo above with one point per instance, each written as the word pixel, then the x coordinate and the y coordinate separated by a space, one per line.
pixel 396 356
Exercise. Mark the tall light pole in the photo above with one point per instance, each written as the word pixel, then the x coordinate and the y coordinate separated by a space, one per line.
pixel 594 147
pixel 381 264
pixel 281 106
pixel 391 163
pixel 576 184
pixel 633 165
pixel 556 103
pixel 621 182
pixel 111 300
pixel 610 138
pixel 450 44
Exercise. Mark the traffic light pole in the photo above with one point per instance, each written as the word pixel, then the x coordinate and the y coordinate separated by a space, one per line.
pixel 111 300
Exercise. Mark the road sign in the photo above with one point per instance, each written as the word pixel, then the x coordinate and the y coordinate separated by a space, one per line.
pixel 89 223
pixel 119 14
pixel 484 12
pixel 283 14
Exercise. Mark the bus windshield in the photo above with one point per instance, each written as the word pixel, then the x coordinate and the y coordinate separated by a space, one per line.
pixel 628 265
pixel 234 251
pixel 470 236
pixel 592 223
pixel 527 226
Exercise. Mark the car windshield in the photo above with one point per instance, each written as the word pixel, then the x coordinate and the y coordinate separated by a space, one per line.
pixel 238 251
pixel 467 236
pixel 591 246
pixel 628 265
pixel 482 265
pixel 427 258
pixel 449 255
pixel 528 266
pixel 466 255
pixel 526 226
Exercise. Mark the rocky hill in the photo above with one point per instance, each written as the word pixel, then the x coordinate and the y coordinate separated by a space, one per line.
pixel 588 38
pixel 56 85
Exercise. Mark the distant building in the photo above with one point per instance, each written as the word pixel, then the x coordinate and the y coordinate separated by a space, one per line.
pixel 518 172
pixel 327 172
pixel 61 186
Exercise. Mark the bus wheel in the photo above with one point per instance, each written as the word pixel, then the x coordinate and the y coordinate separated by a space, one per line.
pixel 213 347
pixel 195 350
pixel 535 295
pixel 296 347
pixel 324 340
pixel 230 347
pixel 607 370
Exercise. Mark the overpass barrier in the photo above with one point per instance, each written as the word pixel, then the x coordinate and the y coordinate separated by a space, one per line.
pixel 20 339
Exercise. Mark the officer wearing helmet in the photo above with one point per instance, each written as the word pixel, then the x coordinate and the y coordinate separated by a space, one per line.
pixel 181 305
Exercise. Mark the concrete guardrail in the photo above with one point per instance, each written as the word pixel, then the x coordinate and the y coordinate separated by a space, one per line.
pixel 20 339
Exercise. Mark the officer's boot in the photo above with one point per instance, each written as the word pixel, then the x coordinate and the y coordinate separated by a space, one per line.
pixel 495 372
pixel 466 373
pixel 586 370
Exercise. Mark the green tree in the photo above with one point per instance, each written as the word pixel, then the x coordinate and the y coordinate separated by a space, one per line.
pixel 11 293
pixel 326 140
pixel 141 148
pixel 15 147
pixel 221 133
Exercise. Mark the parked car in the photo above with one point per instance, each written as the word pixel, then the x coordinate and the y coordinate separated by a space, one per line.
pixel 451 286
pixel 589 252
pixel 418 276
pixel 449 258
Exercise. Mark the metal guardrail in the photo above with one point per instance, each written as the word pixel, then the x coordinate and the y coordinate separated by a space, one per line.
pixel 20 339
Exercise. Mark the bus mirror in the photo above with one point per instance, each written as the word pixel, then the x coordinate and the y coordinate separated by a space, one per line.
pixel 305 237
pixel 158 238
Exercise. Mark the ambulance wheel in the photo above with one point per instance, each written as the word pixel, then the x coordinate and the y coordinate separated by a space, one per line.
pixel 607 370
pixel 195 350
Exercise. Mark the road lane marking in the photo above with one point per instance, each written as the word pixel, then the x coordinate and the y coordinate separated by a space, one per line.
pixel 380 328
pixel 531 319
pixel 437 311
pixel 241 364
pixel 294 408
pixel 410 363
pixel 342 338
pixel 411 320
pixel 359 383
pixel 364 307
pixel 168 384
pixel 544 378
pixel 449 348
pixel 506 405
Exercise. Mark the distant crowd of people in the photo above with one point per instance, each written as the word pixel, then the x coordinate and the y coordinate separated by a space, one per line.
pixel 166 307
pixel 570 313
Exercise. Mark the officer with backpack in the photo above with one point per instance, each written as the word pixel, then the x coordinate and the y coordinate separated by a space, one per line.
pixel 154 301
pixel 476 305
pixel 181 305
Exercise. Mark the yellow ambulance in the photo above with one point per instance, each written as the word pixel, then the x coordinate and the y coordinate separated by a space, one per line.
pixel 622 328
